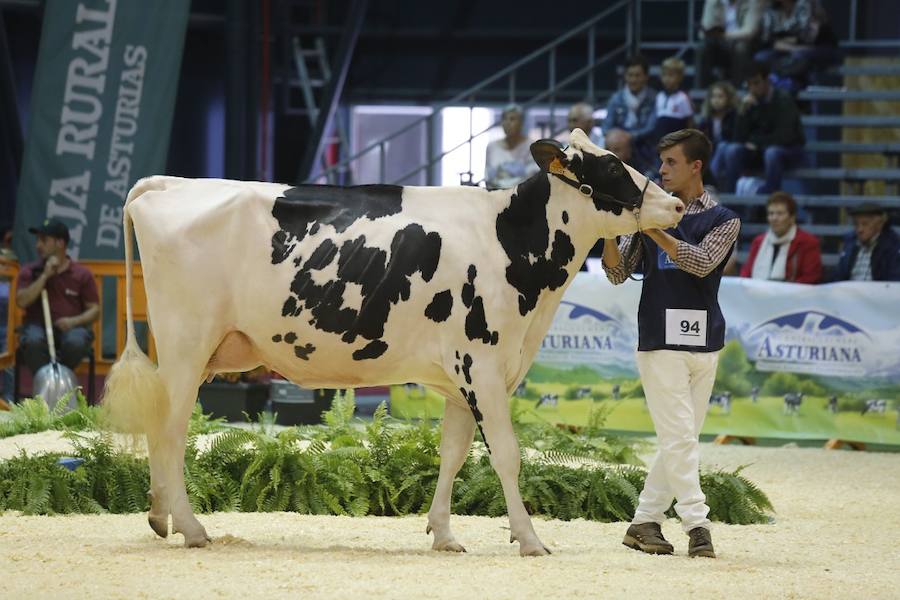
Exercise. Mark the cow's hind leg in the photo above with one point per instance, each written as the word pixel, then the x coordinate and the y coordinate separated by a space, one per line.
pixel 456 438
pixel 166 445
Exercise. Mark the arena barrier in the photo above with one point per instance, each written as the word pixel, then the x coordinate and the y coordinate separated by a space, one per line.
pixel 800 362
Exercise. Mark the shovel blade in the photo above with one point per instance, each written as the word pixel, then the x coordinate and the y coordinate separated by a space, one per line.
pixel 53 382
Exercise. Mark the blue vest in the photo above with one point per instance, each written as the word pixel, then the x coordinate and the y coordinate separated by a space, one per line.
pixel 668 288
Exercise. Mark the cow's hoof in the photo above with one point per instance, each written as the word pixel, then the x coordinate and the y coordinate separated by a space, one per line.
pixel 194 533
pixel 159 524
pixel 447 546
pixel 196 541
pixel 536 550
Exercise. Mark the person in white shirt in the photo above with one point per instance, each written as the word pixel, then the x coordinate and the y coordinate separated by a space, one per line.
pixel 581 116
pixel 674 110
pixel 508 160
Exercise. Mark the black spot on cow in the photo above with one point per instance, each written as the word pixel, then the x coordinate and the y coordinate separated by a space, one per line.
pixel 290 307
pixel 456 368
pixel 457 355
pixel 290 337
pixel 276 338
pixel 524 234
pixel 439 308
pixel 476 324
pixel 608 174
pixel 373 349
pixel 303 352
pixel 472 401
pixel 467 365
pixel 383 282
pixel 307 207
pixel 468 288
pixel 565 218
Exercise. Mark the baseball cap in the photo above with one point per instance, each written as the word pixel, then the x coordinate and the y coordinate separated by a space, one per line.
pixel 866 208
pixel 53 228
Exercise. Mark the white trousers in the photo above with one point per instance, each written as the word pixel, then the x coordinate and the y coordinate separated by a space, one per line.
pixel 677 386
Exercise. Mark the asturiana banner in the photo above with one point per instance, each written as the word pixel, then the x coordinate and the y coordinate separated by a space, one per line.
pixel 815 362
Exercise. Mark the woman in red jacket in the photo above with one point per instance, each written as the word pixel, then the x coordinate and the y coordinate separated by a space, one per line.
pixel 785 252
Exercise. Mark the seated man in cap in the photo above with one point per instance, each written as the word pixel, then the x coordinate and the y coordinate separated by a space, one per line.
pixel 872 251
pixel 71 294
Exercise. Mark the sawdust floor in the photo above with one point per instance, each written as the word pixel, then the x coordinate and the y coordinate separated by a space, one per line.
pixel 837 534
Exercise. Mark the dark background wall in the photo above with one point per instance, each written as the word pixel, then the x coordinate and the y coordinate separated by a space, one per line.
pixel 408 52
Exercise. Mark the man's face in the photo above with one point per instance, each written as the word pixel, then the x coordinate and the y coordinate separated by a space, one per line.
pixel 581 122
pixel 635 78
pixel 758 86
pixel 868 226
pixel 47 246
pixel 780 220
pixel 618 142
pixel 512 123
pixel 676 170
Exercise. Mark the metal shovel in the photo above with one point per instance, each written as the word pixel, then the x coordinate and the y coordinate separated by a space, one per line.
pixel 53 381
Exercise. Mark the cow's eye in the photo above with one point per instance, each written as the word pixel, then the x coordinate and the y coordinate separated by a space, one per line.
pixel 615 170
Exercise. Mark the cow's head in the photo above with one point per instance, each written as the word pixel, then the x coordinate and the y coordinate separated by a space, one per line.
pixel 624 199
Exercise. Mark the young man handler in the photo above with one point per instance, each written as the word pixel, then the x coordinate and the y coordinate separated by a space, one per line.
pixel 680 333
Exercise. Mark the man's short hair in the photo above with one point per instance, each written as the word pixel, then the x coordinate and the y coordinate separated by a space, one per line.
pixel 637 60
pixel 783 198
pixel 512 108
pixel 582 110
pixel 673 63
pixel 757 68
pixel 693 142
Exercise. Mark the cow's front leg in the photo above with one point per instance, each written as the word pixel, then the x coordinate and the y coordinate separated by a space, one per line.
pixel 456 439
pixel 505 459
pixel 486 396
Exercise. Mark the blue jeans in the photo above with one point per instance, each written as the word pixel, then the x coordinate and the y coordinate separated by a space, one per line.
pixel 71 346
pixel 737 158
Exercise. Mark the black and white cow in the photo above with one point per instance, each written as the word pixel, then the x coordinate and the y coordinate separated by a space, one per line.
pixel 548 401
pixel 723 401
pixel 877 406
pixel 453 288
pixel 792 402
pixel 584 392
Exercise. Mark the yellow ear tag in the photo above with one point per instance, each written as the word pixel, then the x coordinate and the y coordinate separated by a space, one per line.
pixel 556 167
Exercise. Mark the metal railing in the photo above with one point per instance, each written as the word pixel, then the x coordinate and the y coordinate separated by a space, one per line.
pixel 633 9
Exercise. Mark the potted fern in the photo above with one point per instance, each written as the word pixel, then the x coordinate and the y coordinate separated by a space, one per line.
pixel 236 396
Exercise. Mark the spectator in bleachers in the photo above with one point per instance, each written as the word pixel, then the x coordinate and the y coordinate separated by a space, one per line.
pixel 581 116
pixel 717 118
pixel 796 38
pixel 730 29
pixel 768 133
pixel 631 109
pixel 674 110
pixel 785 252
pixel 508 160
pixel 871 251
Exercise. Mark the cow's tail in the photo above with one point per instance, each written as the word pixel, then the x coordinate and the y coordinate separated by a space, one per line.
pixel 135 398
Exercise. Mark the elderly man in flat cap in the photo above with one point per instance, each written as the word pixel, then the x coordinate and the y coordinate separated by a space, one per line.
pixel 872 250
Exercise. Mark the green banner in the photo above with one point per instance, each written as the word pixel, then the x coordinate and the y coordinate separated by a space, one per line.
pixel 101 111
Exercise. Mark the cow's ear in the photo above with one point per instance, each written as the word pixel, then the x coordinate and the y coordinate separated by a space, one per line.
pixel 549 155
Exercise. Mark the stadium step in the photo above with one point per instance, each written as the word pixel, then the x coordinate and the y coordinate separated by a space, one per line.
pixel 854 147
pixel 851 121
pixel 845 174
pixel 813 200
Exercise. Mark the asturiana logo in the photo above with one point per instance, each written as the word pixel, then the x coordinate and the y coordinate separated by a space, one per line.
pixel 579 328
pixel 811 342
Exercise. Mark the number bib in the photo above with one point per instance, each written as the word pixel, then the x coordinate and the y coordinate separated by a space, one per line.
pixel 685 327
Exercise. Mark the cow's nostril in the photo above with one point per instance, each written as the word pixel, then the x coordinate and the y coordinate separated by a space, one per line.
pixel 679 208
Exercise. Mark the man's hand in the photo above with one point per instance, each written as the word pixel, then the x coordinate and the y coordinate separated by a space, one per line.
pixel 750 146
pixel 52 266
pixel 65 323
pixel 748 101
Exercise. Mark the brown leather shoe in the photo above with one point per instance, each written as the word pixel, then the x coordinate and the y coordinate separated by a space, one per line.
pixel 700 543
pixel 647 537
